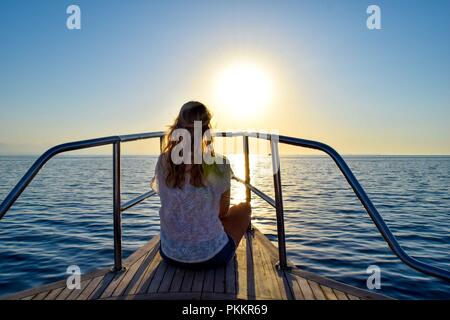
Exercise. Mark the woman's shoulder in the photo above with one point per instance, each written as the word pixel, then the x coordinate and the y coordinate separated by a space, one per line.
pixel 163 158
pixel 220 167
pixel 162 161
pixel 222 162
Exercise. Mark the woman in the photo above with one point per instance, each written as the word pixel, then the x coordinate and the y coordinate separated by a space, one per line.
pixel 198 227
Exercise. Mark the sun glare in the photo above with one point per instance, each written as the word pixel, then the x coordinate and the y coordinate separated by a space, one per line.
pixel 243 89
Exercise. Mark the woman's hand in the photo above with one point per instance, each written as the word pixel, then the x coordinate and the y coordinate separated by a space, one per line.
pixel 245 206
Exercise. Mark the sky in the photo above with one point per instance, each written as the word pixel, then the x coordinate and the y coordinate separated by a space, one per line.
pixel 131 66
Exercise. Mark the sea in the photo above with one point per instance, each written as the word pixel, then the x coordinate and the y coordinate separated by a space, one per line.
pixel 64 217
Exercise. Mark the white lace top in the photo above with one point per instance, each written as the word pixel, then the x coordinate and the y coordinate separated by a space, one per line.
pixel 191 230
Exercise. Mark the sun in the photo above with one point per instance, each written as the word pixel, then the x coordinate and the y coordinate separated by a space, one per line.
pixel 243 89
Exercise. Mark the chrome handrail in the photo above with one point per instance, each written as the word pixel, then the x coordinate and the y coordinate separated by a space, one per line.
pixel 364 199
pixel 277 203
pixel 62 148
pixel 256 191
pixel 137 200
pixel 369 206
pixel 79 145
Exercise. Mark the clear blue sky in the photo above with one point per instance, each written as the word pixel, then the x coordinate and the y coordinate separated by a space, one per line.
pixel 134 62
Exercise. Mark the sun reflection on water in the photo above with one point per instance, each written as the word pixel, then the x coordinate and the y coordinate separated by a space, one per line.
pixel 238 167
pixel 260 177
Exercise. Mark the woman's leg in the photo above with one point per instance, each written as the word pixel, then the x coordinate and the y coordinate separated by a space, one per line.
pixel 237 221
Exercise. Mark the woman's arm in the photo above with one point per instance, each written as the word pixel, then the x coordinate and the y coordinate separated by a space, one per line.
pixel 154 183
pixel 224 204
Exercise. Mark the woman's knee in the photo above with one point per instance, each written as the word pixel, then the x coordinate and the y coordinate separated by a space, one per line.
pixel 243 208
pixel 246 210
pixel 245 215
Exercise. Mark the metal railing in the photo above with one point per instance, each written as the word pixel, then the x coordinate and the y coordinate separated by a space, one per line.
pixel 118 207
pixel 277 203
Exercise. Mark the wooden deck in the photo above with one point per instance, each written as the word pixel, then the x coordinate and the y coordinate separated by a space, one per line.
pixel 250 275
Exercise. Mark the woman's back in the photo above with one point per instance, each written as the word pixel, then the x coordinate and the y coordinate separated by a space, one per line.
pixel 191 230
pixel 199 229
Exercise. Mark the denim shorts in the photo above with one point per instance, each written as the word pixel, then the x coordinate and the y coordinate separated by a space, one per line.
pixel 221 258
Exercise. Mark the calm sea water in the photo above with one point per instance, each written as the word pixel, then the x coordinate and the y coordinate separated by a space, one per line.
pixel 64 218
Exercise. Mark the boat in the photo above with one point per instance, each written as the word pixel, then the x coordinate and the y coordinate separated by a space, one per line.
pixel 259 271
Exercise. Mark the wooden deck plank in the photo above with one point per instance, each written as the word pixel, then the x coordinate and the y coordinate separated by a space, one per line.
pixel 175 296
pixel 116 279
pixel 167 279
pixel 104 282
pixel 278 276
pixel 325 282
pixel 294 286
pixel 306 290
pixel 242 289
pixel 329 294
pixel 340 295
pixel 361 293
pixel 317 291
pixel 230 277
pixel 131 273
pixel 177 280
pixel 144 250
pixel 208 283
pixel 158 277
pixel 271 273
pixel 251 274
pixel 123 277
pixel 261 287
pixel 188 281
pixel 53 293
pixel 283 285
pixel 144 275
pixel 76 292
pixel 133 280
pixel 271 254
pixel 219 280
pixel 87 292
pixel 250 268
pixel 197 284
pixel 64 294
pixel 264 260
pixel 266 286
pixel 49 287
pixel 40 296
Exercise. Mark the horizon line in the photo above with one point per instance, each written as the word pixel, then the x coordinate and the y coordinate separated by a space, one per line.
pixel 281 154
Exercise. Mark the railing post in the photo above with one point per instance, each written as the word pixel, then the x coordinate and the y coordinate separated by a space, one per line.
pixel 247 169
pixel 282 264
pixel 117 219
pixel 161 144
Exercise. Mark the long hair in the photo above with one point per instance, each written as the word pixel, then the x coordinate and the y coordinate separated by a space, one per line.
pixel 175 173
